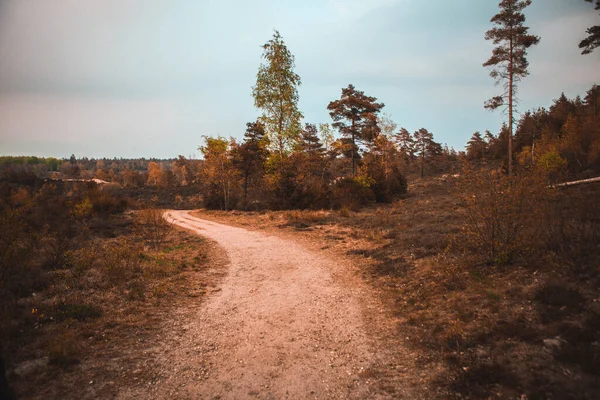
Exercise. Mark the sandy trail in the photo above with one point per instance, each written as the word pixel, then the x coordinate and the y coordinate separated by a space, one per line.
pixel 284 324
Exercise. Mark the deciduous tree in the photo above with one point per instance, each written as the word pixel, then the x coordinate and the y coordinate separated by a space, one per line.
pixel 100 174
pixel 218 172
pixel 327 136
pixel 276 94
pixel 387 125
pixel 154 173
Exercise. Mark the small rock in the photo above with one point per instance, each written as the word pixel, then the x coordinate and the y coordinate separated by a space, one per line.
pixel 555 343
pixel 481 352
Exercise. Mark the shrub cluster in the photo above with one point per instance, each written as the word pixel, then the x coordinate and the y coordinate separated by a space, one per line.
pixel 524 219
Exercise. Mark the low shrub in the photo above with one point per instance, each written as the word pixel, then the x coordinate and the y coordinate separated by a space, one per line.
pixel 120 262
pixel 351 193
pixel 104 202
pixel 152 227
pixel 505 216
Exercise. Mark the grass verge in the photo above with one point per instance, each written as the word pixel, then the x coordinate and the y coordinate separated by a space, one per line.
pixel 92 328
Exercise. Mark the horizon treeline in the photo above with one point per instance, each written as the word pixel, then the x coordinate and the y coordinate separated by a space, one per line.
pixel 562 139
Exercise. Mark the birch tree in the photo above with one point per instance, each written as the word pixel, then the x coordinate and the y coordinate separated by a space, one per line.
pixel 276 94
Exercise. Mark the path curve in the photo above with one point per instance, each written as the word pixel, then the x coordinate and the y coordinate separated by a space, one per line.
pixel 279 327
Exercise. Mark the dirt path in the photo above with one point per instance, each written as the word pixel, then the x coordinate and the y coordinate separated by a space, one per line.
pixel 286 323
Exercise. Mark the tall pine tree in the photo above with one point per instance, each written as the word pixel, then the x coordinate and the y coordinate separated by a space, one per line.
pixel 508 62
pixel 355 116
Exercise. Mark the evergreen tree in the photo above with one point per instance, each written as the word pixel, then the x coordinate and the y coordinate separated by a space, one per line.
pixel 355 116
pixel 252 155
pixel 309 141
pixel 311 163
pixel 312 148
pixel 560 111
pixel 426 147
pixel 529 129
pixel 508 61
pixel 476 147
pixel 406 145
pixel 593 40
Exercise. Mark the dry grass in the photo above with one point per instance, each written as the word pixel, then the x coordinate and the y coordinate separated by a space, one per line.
pixel 96 322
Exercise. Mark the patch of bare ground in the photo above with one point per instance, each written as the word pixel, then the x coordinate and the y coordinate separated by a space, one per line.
pixel 520 331
pixel 102 330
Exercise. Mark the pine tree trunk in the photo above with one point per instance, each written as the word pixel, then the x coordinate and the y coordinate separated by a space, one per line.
pixel 423 161
pixel 353 149
pixel 280 130
pixel 246 173
pixel 510 109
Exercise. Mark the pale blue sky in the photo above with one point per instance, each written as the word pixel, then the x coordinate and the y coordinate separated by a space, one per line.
pixel 133 78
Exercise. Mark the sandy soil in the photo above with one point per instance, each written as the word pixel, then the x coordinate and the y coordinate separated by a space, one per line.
pixel 287 322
